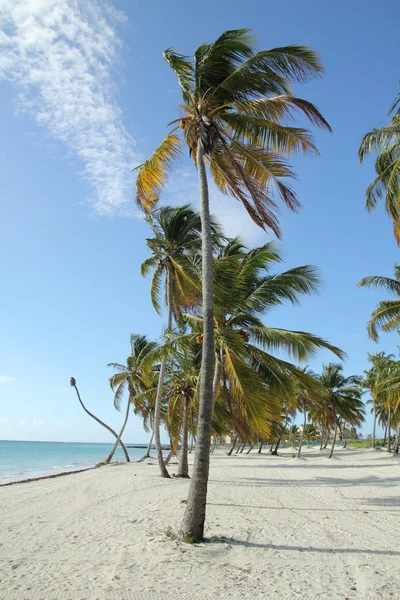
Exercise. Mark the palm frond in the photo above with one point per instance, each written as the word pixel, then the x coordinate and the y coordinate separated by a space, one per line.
pixel 153 173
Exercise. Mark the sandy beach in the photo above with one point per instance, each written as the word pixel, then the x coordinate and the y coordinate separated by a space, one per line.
pixel 276 527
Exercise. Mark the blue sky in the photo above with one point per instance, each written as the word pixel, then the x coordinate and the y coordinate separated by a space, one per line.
pixel 85 94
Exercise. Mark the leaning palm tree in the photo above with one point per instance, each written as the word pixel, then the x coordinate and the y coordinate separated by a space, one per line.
pixel 343 397
pixel 386 143
pixel 386 315
pixel 132 377
pixel 100 422
pixel 176 234
pixel 235 103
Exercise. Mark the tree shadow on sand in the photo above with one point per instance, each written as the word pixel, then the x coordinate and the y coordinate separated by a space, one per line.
pixel 238 542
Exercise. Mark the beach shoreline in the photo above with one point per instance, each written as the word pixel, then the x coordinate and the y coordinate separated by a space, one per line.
pixel 276 526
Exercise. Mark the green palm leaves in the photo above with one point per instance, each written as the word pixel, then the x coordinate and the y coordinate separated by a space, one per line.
pixel 386 143
pixel 386 315
pixel 237 103
pixel 175 245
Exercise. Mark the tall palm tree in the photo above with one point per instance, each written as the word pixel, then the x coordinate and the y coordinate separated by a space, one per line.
pixel 386 315
pixel 343 397
pixel 100 422
pixel 176 234
pixel 133 378
pixel 385 141
pixel 235 102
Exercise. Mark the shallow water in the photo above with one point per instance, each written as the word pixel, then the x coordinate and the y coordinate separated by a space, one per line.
pixel 22 460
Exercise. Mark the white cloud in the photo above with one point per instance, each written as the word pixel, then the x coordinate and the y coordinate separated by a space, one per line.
pixel 183 188
pixel 61 55
pixel 6 379
pixel 4 420
pixel 37 421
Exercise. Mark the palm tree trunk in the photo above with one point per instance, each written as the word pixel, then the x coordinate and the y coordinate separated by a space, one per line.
pixel 334 439
pixel 251 448
pixel 302 434
pixel 374 428
pixel 183 468
pixel 147 455
pixel 322 437
pixel 389 426
pixel 260 448
pixel 396 443
pixel 243 447
pixel 195 514
pixel 233 446
pixel 274 452
pixel 384 437
pixel 73 384
pixel 117 441
pixel 157 408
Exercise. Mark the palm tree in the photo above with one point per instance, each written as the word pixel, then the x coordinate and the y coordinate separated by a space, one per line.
pixel 386 315
pixel 235 102
pixel 343 398
pixel 134 378
pixel 307 397
pixel 176 233
pixel 182 390
pixel 386 143
pixel 371 382
pixel 114 433
pixel 246 288
pixel 388 388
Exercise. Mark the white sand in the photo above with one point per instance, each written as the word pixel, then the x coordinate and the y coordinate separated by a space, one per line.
pixel 278 528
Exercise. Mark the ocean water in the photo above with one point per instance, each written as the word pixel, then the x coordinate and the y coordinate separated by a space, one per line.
pixel 22 460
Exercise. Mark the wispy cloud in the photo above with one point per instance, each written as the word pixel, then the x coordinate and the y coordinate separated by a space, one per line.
pixel 37 422
pixel 61 54
pixel 6 379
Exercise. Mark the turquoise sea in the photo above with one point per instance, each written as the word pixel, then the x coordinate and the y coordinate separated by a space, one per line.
pixel 22 460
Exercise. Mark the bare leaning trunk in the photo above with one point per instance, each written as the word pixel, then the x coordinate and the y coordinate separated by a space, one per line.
pixel 233 446
pixel 147 455
pixel 117 441
pixel 384 437
pixel 251 448
pixel 260 448
pixel 334 439
pixel 73 384
pixel 302 434
pixel 183 468
pixel 157 408
pixel 389 426
pixel 195 514
pixel 374 427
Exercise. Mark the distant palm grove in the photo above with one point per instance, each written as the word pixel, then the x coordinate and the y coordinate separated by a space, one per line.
pixel 218 372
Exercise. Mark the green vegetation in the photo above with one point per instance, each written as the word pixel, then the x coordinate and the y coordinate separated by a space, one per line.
pixel 219 371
